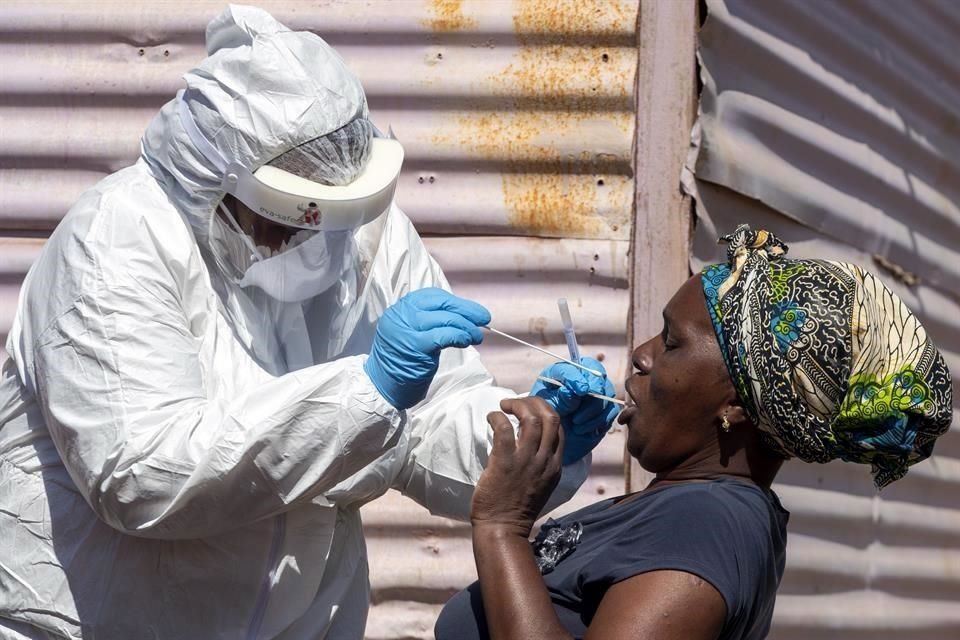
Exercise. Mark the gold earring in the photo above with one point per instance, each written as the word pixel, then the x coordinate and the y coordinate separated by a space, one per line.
pixel 726 424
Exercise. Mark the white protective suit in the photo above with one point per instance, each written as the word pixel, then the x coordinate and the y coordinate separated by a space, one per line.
pixel 181 458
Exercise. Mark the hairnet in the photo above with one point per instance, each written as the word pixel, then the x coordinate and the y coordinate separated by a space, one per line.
pixel 333 159
pixel 828 361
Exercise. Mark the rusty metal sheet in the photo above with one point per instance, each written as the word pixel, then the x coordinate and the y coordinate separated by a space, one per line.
pixel 832 125
pixel 518 121
pixel 526 104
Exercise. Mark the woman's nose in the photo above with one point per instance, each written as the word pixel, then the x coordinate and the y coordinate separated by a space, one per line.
pixel 643 357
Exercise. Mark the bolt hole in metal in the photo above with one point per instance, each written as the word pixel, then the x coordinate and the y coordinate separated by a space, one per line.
pixel 600 182
pixel 605 57
pixel 140 52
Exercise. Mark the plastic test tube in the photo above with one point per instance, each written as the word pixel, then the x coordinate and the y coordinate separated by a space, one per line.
pixel 568 331
pixel 573 347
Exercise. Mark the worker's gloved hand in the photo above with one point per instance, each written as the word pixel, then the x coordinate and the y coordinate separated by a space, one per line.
pixel 410 335
pixel 585 419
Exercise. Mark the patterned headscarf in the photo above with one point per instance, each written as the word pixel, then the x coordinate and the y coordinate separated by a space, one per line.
pixel 828 362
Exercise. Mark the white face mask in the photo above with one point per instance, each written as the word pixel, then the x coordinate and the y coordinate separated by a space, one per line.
pixel 304 271
pixel 307 266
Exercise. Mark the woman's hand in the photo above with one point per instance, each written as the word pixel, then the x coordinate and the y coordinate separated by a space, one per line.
pixel 521 475
pixel 522 471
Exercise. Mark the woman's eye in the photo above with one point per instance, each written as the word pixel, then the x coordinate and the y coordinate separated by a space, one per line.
pixel 669 346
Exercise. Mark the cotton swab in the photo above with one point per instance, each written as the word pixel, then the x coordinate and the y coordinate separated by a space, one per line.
pixel 593 395
pixel 536 348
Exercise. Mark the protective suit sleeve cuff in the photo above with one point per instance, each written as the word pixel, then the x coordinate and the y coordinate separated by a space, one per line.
pixel 382 398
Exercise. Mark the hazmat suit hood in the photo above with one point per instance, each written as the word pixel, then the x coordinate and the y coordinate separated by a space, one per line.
pixel 262 90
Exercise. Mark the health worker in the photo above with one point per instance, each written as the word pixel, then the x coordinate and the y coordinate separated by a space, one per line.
pixel 225 350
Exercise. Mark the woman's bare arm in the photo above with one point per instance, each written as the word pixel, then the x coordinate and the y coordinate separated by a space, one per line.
pixel 659 605
pixel 514 487
pixel 515 599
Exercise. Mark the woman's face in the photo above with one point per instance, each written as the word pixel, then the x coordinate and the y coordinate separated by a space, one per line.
pixel 680 387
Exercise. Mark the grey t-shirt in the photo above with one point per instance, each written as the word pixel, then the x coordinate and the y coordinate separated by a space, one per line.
pixel 730 533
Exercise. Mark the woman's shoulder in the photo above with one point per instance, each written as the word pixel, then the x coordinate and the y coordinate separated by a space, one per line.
pixel 729 533
pixel 735 517
pixel 715 497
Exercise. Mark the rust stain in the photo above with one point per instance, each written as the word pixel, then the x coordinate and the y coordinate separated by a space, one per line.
pixel 550 95
pixel 447 15
pixel 569 17
pixel 553 205
pixel 570 76
pixel 571 70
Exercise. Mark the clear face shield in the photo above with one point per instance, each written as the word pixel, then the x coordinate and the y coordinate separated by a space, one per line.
pixel 288 227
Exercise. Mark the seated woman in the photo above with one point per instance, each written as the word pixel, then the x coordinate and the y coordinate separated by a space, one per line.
pixel 759 360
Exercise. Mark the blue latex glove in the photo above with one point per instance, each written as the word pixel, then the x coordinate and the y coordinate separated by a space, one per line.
pixel 410 335
pixel 585 419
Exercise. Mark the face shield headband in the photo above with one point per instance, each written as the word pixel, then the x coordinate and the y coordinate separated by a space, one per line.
pixel 290 200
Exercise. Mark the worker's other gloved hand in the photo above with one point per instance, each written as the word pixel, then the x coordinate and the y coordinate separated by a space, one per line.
pixel 410 335
pixel 585 419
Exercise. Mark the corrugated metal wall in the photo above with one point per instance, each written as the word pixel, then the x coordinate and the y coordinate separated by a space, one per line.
pixel 518 121
pixel 835 124
pixel 832 123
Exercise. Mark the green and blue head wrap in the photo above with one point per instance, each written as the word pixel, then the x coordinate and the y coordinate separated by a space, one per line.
pixel 827 361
